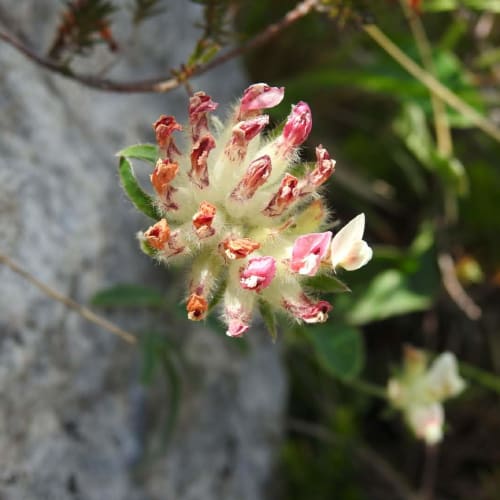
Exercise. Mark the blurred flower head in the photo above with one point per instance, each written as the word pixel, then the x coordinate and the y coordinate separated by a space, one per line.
pixel 248 228
pixel 419 391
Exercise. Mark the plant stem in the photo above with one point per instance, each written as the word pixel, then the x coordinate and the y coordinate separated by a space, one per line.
pixel 441 125
pixel 160 84
pixel 367 387
pixel 429 473
pixel 431 83
pixel 68 302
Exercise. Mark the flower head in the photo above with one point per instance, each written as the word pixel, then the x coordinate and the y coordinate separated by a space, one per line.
pixel 419 392
pixel 251 231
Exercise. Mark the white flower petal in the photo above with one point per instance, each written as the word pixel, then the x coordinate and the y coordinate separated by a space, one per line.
pixel 346 248
pixel 443 380
pixel 359 255
pixel 426 422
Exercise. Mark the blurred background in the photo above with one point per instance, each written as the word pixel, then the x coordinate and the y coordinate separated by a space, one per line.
pixel 188 413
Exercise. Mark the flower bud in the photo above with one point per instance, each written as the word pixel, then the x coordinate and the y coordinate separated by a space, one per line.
pixel 199 158
pixel 256 175
pixel 287 194
pixel 296 130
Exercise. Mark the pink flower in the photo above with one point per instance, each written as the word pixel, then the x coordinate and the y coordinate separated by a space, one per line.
pixel 297 127
pixel 231 211
pixel 258 273
pixel 302 307
pixel 257 97
pixel 237 314
pixel 308 251
pixel 236 327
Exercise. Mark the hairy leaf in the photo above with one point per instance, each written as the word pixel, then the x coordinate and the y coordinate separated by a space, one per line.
pixel 145 152
pixel 138 197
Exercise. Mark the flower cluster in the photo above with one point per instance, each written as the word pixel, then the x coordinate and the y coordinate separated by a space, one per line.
pixel 419 392
pixel 237 210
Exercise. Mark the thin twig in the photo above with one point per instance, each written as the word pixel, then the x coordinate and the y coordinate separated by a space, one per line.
pixel 160 84
pixel 362 452
pixel 431 83
pixel 455 289
pixel 429 473
pixel 368 388
pixel 441 125
pixel 68 302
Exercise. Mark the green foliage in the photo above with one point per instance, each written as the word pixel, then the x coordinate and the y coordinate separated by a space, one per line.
pixel 326 284
pixel 269 319
pixel 409 285
pixel 127 295
pixel 447 5
pixel 157 357
pixel 214 24
pixel 84 23
pixel 412 127
pixel 145 9
pixel 142 201
pixel 144 152
pixel 339 348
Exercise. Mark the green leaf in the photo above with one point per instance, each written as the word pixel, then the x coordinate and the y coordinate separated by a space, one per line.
pixel 412 127
pixel 147 248
pixel 138 197
pixel 326 284
pixel 269 319
pixel 151 344
pixel 389 294
pixel 157 354
pixel 445 5
pixel 145 152
pixel 339 348
pixel 125 295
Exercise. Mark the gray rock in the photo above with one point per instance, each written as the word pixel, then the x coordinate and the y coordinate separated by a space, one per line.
pixel 74 420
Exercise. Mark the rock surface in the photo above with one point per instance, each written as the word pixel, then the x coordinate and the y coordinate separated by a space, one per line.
pixel 74 419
